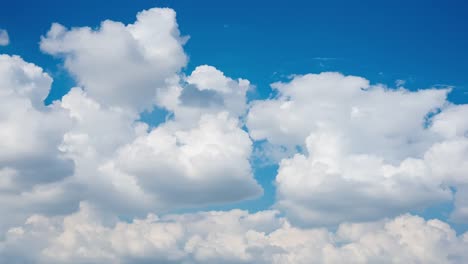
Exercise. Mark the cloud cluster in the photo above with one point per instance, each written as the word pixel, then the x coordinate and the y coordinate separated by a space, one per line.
pixel 30 159
pixel 263 237
pixel 122 65
pixel 363 146
pixel 89 145
pixel 81 178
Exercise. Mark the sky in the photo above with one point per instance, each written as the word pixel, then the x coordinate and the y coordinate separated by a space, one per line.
pixel 233 131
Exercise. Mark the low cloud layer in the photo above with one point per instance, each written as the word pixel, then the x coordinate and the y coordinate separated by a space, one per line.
pixel 228 237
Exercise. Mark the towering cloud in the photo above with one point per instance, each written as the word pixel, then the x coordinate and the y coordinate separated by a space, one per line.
pixel 363 146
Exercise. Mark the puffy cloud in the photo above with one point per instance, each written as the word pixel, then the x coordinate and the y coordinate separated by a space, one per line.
pixel 205 91
pixel 203 165
pixel 390 121
pixel 124 69
pixel 30 131
pixel 364 146
pixel 127 170
pixel 192 161
pixel 30 134
pixel 122 65
pixel 330 186
pixel 228 237
pixel 90 145
pixel 452 122
pixel 4 38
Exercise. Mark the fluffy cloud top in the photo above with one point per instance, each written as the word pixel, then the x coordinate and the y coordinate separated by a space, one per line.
pixel 229 237
pixel 90 145
pixel 364 146
pixel 189 167
pixel 31 132
pixel 122 65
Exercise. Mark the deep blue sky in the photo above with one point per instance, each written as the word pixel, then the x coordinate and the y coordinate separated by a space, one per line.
pixel 422 42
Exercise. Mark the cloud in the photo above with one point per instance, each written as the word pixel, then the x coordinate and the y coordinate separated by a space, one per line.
pixel 234 236
pixel 190 167
pixel 208 91
pixel 122 65
pixel 126 169
pixel 363 146
pixel 81 146
pixel 30 134
pixel 201 157
pixel 31 165
pixel 4 38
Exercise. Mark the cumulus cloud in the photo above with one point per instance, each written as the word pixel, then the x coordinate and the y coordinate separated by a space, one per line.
pixel 30 134
pixel 122 65
pixel 363 146
pixel 390 120
pixel 90 146
pixel 228 237
pixel 206 91
pixel 329 186
pixel 196 166
pixel 194 161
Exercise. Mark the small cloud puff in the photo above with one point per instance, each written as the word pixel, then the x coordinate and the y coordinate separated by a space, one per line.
pixel 4 38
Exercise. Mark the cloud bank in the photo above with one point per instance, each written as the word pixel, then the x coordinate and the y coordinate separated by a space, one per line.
pixel 229 237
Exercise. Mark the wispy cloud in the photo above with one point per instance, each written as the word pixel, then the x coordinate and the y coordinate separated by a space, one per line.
pixel 4 39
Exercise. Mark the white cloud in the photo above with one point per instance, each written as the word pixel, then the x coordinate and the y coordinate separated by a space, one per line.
pixel 228 237
pixel 122 65
pixel 203 165
pixel 205 91
pixel 122 167
pixel 30 133
pixel 125 169
pixel 365 146
pixel 4 38
pixel 390 121
pixel 330 186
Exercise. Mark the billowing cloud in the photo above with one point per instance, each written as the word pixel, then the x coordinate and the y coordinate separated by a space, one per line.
pixel 206 91
pixel 30 133
pixel 392 122
pixel 122 65
pixel 206 164
pixel 125 168
pixel 89 145
pixel 228 237
pixel 363 146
